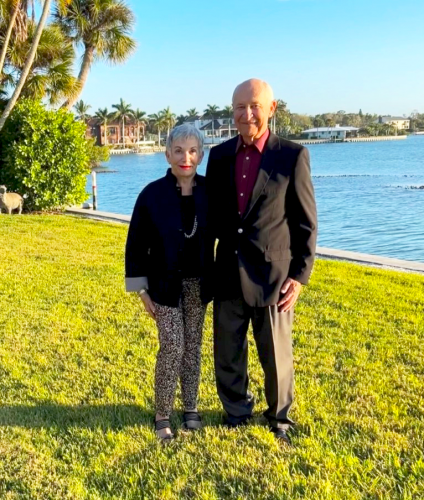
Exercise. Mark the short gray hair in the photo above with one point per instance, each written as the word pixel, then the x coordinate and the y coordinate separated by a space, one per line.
pixel 184 131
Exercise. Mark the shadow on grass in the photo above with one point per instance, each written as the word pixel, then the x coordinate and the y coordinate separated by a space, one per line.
pixel 113 416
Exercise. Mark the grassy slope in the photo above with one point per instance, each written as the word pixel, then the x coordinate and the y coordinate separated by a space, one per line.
pixel 76 371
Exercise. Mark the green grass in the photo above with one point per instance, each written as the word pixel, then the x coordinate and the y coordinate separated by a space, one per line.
pixel 77 357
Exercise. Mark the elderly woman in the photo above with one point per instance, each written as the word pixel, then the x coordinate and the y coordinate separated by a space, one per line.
pixel 168 261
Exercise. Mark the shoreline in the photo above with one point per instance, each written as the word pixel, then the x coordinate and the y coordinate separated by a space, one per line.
pixel 303 142
pixel 388 263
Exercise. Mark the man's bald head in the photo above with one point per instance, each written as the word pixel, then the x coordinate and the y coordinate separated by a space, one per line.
pixel 256 86
pixel 254 104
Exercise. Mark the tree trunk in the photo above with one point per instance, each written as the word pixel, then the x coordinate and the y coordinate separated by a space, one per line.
pixel 159 136
pixel 105 133
pixel 87 61
pixel 8 35
pixel 138 134
pixel 123 132
pixel 28 64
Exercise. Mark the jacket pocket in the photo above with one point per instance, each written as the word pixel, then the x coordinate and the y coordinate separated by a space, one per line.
pixel 274 254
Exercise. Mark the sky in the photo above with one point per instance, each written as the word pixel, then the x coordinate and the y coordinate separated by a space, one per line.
pixel 318 55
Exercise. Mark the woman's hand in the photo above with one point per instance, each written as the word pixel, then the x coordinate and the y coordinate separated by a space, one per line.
pixel 148 304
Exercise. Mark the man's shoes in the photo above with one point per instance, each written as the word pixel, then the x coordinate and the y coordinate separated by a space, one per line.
pixel 232 421
pixel 281 435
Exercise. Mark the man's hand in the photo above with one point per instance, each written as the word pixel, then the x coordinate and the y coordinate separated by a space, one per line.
pixel 289 294
pixel 148 304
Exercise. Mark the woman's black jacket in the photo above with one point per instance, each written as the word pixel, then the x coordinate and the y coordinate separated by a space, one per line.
pixel 155 241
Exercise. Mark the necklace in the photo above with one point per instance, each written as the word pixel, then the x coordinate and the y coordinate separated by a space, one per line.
pixel 193 232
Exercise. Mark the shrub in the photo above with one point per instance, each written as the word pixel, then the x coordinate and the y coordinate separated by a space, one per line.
pixel 97 154
pixel 44 155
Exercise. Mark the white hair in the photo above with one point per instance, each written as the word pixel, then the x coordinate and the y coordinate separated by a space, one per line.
pixel 184 131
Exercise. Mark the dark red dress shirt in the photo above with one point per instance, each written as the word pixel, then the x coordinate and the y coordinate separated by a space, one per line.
pixel 248 161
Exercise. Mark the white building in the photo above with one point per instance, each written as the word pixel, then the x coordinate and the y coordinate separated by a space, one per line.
pixel 215 130
pixel 337 132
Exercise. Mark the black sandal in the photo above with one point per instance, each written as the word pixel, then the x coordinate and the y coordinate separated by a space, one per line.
pixel 192 421
pixel 163 424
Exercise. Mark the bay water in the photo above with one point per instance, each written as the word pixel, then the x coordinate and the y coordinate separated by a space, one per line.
pixel 368 193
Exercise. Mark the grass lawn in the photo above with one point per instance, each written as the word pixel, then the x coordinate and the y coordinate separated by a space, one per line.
pixel 77 358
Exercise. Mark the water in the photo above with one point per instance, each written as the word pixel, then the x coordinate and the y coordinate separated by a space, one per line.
pixel 364 193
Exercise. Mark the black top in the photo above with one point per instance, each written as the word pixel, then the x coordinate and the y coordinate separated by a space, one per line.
pixel 156 246
pixel 190 263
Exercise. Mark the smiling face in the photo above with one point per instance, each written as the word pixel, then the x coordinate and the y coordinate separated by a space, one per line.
pixel 253 105
pixel 184 156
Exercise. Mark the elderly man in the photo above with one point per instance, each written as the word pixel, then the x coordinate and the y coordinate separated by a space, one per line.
pixel 263 213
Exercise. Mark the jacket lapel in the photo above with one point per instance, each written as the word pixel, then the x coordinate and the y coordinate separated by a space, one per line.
pixel 265 170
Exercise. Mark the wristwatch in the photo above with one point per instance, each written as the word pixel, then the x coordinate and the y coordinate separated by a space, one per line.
pixel 143 290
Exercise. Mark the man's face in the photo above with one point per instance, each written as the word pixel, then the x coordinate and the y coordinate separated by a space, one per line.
pixel 253 107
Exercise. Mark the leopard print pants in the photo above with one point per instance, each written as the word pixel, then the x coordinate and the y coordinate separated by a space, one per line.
pixel 180 338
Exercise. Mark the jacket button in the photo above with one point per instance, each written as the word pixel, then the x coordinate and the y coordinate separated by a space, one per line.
pixel 236 252
pixel 240 230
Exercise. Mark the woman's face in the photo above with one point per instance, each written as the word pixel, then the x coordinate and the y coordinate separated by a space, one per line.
pixel 184 157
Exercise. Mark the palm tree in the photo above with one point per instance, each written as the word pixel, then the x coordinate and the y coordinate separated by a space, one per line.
pixel 102 27
pixel 212 110
pixel 12 8
pixel 157 121
pixel 123 111
pixel 82 111
pixel 29 59
pixel 104 116
pixel 227 112
pixel 191 113
pixel 51 73
pixel 139 117
pixel 169 118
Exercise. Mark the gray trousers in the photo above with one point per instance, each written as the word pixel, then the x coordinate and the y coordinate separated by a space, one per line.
pixel 272 334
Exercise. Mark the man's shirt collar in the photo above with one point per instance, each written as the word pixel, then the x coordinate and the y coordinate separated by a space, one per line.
pixel 258 143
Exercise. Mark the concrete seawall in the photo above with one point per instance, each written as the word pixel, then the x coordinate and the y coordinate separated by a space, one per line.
pixel 161 149
pixel 325 253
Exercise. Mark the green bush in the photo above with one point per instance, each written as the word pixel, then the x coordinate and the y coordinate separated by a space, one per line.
pixel 44 155
pixel 97 154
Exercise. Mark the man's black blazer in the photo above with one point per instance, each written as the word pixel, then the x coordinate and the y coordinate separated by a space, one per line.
pixel 276 236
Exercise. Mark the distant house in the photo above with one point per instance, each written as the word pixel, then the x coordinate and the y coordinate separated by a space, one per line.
pixel 215 130
pixel 95 129
pixel 401 123
pixel 336 132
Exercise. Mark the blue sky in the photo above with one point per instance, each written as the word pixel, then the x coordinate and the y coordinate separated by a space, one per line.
pixel 318 55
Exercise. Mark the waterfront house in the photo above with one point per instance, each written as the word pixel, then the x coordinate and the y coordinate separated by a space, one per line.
pixel 333 133
pixel 96 129
pixel 401 123
pixel 214 130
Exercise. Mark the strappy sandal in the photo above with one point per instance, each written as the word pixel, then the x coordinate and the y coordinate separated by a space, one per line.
pixel 192 421
pixel 163 424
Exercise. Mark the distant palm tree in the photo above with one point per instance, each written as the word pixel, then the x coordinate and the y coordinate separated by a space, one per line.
pixel 227 112
pixel 169 118
pixel 104 116
pixel 81 109
pixel 213 111
pixel 102 27
pixel 157 121
pixel 140 119
pixel 192 113
pixel 123 111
